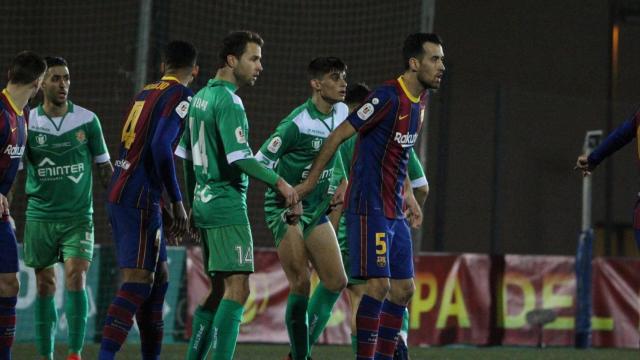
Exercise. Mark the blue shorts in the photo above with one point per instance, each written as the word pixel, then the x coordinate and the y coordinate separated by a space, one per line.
pixel 379 247
pixel 138 236
pixel 8 248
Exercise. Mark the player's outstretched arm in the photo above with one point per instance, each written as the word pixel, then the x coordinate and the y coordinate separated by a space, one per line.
pixel 328 149
pixel 253 168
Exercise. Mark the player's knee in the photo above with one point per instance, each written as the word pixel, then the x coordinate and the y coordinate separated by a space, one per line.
pixel 301 285
pixel 9 286
pixel 378 288
pixel 75 279
pixel 46 283
pixel 402 293
pixel 137 276
pixel 336 283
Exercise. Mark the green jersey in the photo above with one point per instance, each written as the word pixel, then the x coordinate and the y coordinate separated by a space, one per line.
pixel 216 136
pixel 294 144
pixel 59 156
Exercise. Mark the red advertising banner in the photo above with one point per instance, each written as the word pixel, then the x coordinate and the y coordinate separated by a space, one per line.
pixel 463 299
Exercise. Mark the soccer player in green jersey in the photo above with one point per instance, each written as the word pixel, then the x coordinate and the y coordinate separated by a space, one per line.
pixel 355 288
pixel 216 143
pixel 290 150
pixel 64 141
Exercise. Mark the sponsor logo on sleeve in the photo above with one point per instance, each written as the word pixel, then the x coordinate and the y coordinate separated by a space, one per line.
pixel 240 137
pixel 275 144
pixel 365 111
pixel 182 109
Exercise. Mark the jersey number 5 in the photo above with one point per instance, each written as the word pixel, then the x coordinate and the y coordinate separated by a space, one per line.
pixel 129 129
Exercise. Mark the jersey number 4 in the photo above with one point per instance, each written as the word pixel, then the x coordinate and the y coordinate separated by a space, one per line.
pixel 129 129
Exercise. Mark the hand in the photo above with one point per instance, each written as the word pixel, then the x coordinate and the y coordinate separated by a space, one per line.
pixel 179 227
pixel 338 196
pixel 290 195
pixel 302 189
pixel 413 212
pixel 4 205
pixel 193 231
pixel 582 164
pixel 293 214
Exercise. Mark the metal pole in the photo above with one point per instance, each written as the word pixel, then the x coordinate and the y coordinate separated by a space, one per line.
pixel 584 254
pixel 426 25
pixel 495 245
pixel 142 45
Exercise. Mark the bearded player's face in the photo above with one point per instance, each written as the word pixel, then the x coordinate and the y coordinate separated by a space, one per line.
pixel 431 66
pixel 56 84
pixel 249 67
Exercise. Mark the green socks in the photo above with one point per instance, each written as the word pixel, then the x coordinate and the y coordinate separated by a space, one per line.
pixel 201 327
pixel 297 326
pixel 226 325
pixel 319 311
pixel 45 321
pixel 404 329
pixel 76 308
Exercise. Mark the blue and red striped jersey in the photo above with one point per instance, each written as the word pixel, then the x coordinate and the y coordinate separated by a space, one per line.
pixel 621 136
pixel 388 124
pixel 13 138
pixel 152 128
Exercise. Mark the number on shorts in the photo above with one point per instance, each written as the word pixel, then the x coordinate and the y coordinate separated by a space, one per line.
pixel 381 245
pixel 246 258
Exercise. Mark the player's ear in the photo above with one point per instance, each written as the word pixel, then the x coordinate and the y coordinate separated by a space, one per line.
pixel 163 67
pixel 195 71
pixel 315 84
pixel 232 61
pixel 414 64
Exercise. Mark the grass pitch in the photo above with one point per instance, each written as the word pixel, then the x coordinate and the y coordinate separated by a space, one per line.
pixel 322 352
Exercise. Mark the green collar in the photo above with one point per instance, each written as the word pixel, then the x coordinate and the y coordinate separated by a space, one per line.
pixel 219 82
pixel 317 114
pixel 69 109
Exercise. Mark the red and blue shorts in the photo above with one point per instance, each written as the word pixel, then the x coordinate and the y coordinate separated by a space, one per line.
pixel 379 247
pixel 138 237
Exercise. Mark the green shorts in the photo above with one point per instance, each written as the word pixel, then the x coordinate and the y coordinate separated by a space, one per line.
pixel 227 248
pixel 278 226
pixel 47 242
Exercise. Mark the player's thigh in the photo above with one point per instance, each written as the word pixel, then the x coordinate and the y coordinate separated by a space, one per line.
pixel 137 235
pixel 228 248
pixel 401 251
pixel 77 239
pixel 293 257
pixel 8 250
pixel 41 248
pixel 369 238
pixel 324 251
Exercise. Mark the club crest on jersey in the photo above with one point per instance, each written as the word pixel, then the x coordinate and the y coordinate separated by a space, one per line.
pixel 365 111
pixel 41 139
pixel 81 136
pixel 275 144
pixel 316 143
pixel 381 261
pixel 240 136
pixel 182 109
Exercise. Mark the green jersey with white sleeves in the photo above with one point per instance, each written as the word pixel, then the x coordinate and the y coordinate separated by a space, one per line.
pixel 216 136
pixel 59 157
pixel 291 148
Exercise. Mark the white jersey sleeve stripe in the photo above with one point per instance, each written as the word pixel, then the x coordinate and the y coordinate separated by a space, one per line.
pixel 421 181
pixel 101 158
pixel 238 155
pixel 183 153
pixel 265 160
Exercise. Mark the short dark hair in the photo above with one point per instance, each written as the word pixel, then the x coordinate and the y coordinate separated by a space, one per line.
pixel 179 54
pixel 26 67
pixel 55 61
pixel 235 44
pixel 413 45
pixel 357 93
pixel 325 65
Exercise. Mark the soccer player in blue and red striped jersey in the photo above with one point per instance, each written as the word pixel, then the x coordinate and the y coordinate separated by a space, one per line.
pixel 621 136
pixel 25 78
pixel 387 123
pixel 143 170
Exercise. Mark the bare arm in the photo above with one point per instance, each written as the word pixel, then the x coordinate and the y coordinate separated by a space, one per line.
pixel 421 193
pixel 337 137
